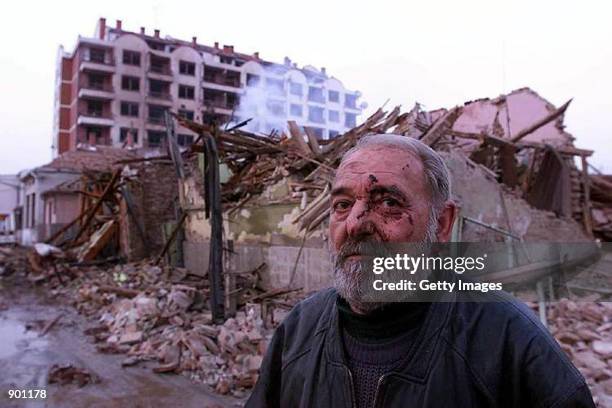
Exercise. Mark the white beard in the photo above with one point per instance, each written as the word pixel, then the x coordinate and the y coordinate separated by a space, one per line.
pixel 350 278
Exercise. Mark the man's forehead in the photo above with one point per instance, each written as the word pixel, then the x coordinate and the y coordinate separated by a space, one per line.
pixel 382 161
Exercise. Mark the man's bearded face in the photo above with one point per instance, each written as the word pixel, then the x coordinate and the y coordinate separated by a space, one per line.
pixel 379 199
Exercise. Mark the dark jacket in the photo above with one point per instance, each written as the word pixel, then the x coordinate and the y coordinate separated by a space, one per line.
pixel 467 354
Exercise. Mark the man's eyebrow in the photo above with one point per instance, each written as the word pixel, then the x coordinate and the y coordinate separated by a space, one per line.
pixel 340 191
pixel 392 190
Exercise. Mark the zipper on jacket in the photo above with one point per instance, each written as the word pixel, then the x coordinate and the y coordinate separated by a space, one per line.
pixel 380 381
pixel 352 386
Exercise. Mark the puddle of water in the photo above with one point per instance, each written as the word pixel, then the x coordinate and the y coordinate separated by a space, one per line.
pixel 14 338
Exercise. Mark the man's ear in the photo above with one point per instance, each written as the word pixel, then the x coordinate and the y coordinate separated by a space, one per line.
pixel 446 220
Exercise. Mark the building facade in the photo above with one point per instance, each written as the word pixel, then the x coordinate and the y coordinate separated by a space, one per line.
pixel 115 87
pixel 9 201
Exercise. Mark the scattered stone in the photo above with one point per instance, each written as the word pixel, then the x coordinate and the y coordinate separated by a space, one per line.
pixel 68 374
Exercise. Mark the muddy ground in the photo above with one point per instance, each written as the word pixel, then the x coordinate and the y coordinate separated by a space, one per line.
pixel 26 357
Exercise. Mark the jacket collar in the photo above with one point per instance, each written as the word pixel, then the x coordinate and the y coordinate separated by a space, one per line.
pixel 422 351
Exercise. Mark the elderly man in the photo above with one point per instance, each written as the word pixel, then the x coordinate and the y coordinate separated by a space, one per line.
pixel 337 349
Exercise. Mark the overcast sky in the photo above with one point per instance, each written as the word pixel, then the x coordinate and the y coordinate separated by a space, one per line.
pixel 439 53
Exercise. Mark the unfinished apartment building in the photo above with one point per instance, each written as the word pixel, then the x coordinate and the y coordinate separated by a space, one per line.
pixel 115 88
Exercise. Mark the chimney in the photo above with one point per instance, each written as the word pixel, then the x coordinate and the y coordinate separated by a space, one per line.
pixel 216 45
pixel 256 54
pixel 287 62
pixel 102 28
pixel 295 65
pixel 194 40
pixel 156 31
pixel 142 30
pixel 118 25
pixel 228 49
pixel 323 71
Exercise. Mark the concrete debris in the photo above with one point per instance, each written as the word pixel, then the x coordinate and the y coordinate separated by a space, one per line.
pixel 517 138
pixel 583 328
pixel 169 322
pixel 601 196
pixel 68 374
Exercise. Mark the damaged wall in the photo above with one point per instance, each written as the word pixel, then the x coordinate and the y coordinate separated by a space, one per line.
pixel 479 197
pixel 261 232
pixel 154 192
pixel 507 115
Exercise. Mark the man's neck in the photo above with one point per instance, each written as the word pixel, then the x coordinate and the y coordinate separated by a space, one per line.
pixel 387 321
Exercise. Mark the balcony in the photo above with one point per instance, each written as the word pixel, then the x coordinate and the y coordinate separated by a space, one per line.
pixel 97 63
pixel 166 96
pixel 159 66
pixel 95 118
pixel 156 120
pixel 163 70
pixel 99 91
pixel 350 102
pixel 222 80
pixel 219 104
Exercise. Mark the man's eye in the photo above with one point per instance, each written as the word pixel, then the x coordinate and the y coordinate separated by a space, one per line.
pixel 341 205
pixel 390 202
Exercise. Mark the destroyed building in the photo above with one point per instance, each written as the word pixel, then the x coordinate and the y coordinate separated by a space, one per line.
pixel 114 88
pixel 521 182
pixel 515 170
pixel 51 195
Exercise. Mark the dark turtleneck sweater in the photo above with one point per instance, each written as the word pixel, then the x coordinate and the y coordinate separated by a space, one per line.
pixel 377 343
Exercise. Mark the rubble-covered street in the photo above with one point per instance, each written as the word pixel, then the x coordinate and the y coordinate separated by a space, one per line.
pixel 45 345
pixel 127 330
pixel 154 318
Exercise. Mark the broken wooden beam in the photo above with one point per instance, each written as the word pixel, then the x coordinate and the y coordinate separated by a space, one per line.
pixel 535 126
pixel 107 191
pixel 173 234
pixel 441 126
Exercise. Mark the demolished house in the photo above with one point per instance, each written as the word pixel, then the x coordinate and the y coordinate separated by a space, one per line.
pixel 222 239
pixel 514 175
pixel 515 172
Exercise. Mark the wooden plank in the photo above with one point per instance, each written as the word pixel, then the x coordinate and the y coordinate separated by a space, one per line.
pixel 574 151
pixel 588 221
pixel 442 125
pixel 98 241
pixel 313 142
pixel 535 126
pixel 173 149
pixel 107 191
pixel 178 225
pixel 65 228
pixel 297 137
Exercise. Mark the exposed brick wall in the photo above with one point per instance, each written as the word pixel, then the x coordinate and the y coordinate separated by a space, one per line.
pixel 160 192
pixel 153 191
pixel 132 245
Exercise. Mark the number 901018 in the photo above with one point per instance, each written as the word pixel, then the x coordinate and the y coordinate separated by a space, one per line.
pixel 27 394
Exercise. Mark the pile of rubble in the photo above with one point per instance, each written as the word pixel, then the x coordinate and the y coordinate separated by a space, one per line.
pixel 601 195
pixel 543 172
pixel 13 260
pixel 161 314
pixel 583 328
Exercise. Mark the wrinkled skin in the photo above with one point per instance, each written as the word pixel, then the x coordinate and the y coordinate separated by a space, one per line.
pixel 380 195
